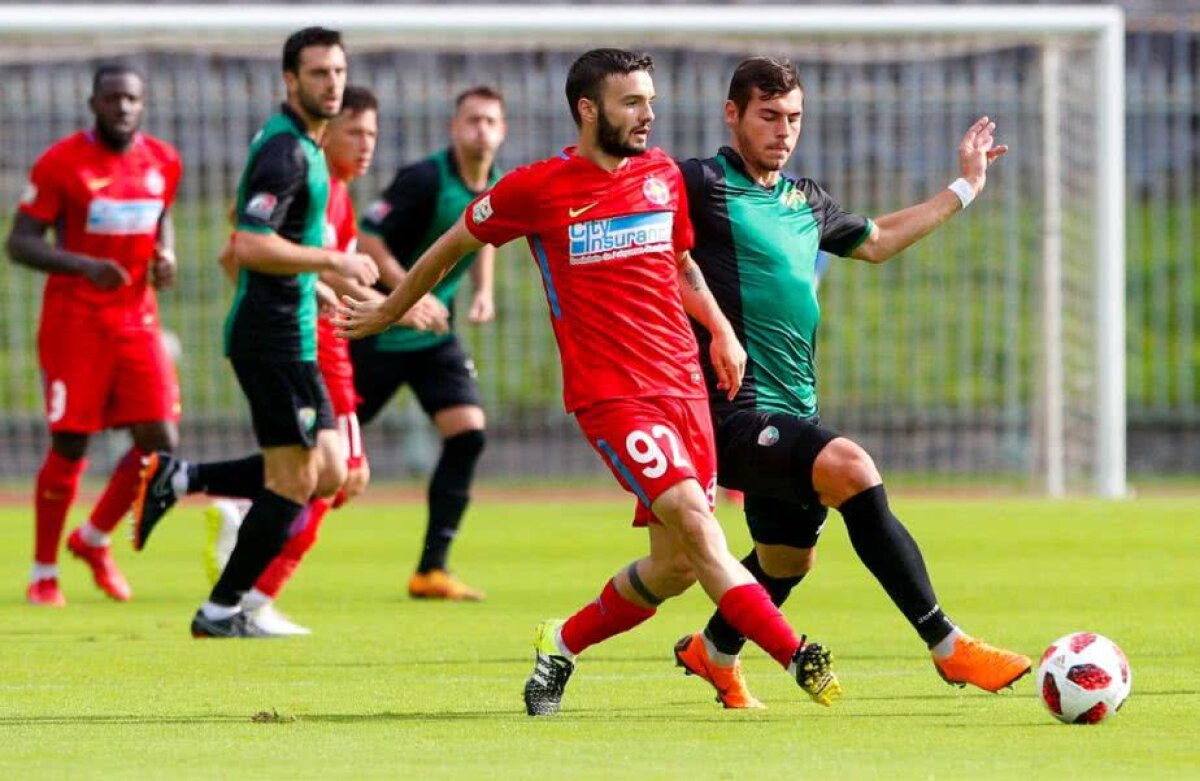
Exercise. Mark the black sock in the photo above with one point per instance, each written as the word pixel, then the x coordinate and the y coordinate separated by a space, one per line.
pixel 892 556
pixel 449 493
pixel 727 639
pixel 262 536
pixel 242 478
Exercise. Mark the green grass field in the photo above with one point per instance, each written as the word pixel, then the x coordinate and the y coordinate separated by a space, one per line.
pixel 390 688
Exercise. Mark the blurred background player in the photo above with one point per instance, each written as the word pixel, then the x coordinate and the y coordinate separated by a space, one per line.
pixel 423 202
pixel 758 234
pixel 349 145
pixel 279 246
pixel 607 223
pixel 107 193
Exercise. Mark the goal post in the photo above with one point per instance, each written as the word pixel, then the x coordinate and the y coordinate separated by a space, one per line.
pixel 1072 425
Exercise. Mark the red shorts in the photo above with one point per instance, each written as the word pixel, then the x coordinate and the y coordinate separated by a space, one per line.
pixel 333 356
pixel 104 370
pixel 653 444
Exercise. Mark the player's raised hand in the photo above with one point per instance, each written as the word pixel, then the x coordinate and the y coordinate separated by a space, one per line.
pixel 428 314
pixel 729 362
pixel 483 308
pixel 163 268
pixel 106 274
pixel 977 150
pixel 354 319
pixel 358 267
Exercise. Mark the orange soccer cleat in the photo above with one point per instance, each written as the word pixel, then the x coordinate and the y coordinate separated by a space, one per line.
pixel 440 584
pixel 979 664
pixel 692 656
pixel 45 592
pixel 104 570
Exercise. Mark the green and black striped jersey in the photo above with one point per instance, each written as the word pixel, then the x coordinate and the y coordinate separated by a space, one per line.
pixel 757 247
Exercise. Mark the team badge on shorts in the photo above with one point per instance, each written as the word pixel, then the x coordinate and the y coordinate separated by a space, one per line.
pixel 261 206
pixel 768 436
pixel 307 417
pixel 656 191
pixel 482 210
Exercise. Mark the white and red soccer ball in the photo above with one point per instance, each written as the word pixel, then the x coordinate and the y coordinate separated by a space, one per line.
pixel 1083 678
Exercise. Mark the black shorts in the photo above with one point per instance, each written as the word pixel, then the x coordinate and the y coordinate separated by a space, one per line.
pixel 441 376
pixel 769 456
pixel 288 401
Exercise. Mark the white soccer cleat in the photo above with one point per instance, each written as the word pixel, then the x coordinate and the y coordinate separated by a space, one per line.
pixel 273 622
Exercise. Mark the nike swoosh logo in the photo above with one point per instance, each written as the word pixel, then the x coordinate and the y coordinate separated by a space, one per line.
pixel 573 213
pixel 98 184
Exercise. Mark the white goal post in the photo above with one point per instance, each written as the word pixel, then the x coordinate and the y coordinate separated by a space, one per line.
pixel 1103 25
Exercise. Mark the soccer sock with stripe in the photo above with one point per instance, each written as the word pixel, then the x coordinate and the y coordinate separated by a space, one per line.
pixel 283 566
pixel 721 634
pixel 57 484
pixel 260 539
pixel 120 492
pixel 610 614
pixel 892 556
pixel 749 610
pixel 242 478
pixel 449 494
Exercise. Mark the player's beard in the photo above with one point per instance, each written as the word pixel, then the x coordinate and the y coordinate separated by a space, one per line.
pixel 761 162
pixel 608 138
pixel 314 107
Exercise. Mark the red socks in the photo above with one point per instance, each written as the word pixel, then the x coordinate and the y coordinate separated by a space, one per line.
pixel 283 566
pixel 611 614
pixel 57 483
pixel 749 610
pixel 120 492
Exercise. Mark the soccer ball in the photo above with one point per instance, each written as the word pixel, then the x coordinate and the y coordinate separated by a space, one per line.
pixel 1083 678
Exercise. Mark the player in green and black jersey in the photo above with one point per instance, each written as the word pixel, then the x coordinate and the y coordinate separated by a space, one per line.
pixel 270 336
pixel 758 235
pixel 422 202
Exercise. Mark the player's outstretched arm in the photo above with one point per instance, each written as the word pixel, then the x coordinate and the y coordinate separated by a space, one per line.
pixel 728 356
pixel 27 246
pixel 893 233
pixel 356 319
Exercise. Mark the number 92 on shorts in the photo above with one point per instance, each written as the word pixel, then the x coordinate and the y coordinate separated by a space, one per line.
pixel 653 444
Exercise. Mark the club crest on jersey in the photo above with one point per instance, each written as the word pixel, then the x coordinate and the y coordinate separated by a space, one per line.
pixel 29 194
pixel 378 211
pixel 155 183
pixel 793 198
pixel 612 238
pixel 656 191
pixel 261 206
pixel 482 210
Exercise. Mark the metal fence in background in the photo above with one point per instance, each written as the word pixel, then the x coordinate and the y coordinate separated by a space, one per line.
pixel 932 361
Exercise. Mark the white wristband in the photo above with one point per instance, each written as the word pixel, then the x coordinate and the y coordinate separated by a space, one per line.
pixel 964 191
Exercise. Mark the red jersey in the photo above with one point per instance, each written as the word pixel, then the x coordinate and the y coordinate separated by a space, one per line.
pixel 341 226
pixel 333 353
pixel 606 245
pixel 104 204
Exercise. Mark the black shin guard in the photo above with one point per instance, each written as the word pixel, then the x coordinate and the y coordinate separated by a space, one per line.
pixel 724 637
pixel 242 478
pixel 262 536
pixel 892 556
pixel 449 493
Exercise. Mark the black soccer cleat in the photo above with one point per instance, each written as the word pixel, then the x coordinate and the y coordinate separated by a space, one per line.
pixel 812 667
pixel 551 671
pixel 237 625
pixel 156 494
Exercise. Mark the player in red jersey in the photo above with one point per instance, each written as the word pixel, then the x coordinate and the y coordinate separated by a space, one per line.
pixel 106 192
pixel 607 222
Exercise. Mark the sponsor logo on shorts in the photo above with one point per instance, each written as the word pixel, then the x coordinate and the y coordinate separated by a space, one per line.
pixel 56 404
pixel 482 210
pixel 29 194
pixel 113 217
pixel 768 436
pixel 261 206
pixel 307 417
pixel 656 191
pixel 613 238
pixel 155 183
pixel 470 367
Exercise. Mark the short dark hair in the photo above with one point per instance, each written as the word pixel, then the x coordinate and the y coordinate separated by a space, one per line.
pixel 772 76
pixel 302 39
pixel 479 91
pixel 592 68
pixel 356 100
pixel 113 69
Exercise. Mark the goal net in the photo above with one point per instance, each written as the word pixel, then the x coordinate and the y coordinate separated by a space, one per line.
pixel 991 353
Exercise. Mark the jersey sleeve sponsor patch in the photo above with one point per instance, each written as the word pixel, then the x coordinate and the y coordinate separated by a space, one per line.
pixel 482 210
pixel 377 212
pixel 29 194
pixel 261 206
